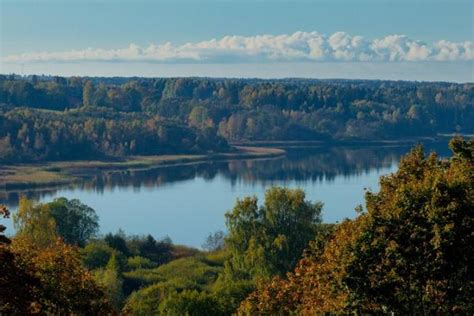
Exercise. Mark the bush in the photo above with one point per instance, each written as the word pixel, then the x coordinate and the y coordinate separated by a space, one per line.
pixel 192 303
pixel 96 254
pixel 192 273
pixel 138 262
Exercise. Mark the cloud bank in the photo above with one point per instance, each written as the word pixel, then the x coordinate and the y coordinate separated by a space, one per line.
pixel 299 46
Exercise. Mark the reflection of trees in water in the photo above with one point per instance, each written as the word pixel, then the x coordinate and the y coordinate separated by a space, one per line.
pixel 321 164
pixel 300 165
pixel 108 181
pixel 11 198
pixel 314 165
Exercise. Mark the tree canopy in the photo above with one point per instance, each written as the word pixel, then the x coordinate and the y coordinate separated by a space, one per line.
pixel 75 222
pixel 269 239
pixel 409 253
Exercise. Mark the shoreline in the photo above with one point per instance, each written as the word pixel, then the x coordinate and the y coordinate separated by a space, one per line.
pixel 335 143
pixel 51 174
pixel 59 173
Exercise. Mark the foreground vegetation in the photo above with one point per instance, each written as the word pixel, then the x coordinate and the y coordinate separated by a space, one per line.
pixel 408 252
pixel 45 118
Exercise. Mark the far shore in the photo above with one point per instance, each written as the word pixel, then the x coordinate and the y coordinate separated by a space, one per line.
pixel 57 173
pixel 23 176
pixel 342 142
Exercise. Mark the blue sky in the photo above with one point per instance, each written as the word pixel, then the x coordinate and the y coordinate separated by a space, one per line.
pixel 274 38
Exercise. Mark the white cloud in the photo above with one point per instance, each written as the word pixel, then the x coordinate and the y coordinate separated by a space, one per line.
pixel 299 46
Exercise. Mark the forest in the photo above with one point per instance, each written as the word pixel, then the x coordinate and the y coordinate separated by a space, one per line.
pixel 55 118
pixel 409 251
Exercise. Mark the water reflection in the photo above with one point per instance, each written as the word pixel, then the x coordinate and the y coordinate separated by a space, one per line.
pixel 301 166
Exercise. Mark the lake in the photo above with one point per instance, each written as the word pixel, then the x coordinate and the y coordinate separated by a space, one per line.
pixel 188 202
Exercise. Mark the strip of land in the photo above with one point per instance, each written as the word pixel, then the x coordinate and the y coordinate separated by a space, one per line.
pixel 24 176
pixel 64 172
pixel 347 142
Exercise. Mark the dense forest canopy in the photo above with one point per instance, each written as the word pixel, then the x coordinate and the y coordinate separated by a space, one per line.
pixel 53 118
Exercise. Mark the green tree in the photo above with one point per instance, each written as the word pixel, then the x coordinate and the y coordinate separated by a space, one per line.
pixel 199 118
pixel 6 149
pixel 270 239
pixel 118 242
pixel 157 251
pixel 214 241
pixel 100 96
pixel 88 94
pixel 265 241
pixel 111 281
pixel 191 303
pixel 138 262
pixel 75 222
pixel 96 254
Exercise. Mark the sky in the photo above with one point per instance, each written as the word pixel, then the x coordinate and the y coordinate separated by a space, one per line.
pixel 430 40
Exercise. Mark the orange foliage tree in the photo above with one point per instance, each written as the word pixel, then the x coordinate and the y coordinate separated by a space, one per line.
pixel 316 285
pixel 410 253
pixel 39 273
pixel 66 286
pixel 19 289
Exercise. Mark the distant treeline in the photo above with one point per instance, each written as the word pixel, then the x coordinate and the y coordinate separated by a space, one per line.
pixel 44 118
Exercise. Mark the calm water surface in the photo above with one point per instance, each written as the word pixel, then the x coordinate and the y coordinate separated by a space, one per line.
pixel 187 203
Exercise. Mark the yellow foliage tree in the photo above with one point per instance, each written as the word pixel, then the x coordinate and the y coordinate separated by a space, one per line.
pixel 35 224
